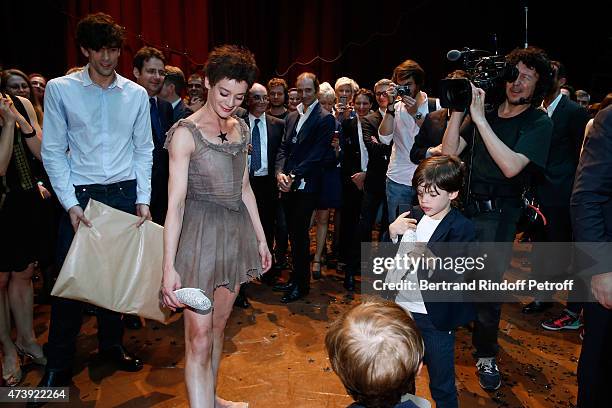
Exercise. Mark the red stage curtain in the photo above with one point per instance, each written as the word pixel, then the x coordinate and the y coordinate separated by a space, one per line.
pixel 179 28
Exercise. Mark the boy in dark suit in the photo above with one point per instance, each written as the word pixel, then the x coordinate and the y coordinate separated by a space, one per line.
pixel 438 181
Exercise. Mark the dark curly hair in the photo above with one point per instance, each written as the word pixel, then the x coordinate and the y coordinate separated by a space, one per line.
pixel 368 94
pixel 99 30
pixel 231 62
pixel 535 58
pixel 145 54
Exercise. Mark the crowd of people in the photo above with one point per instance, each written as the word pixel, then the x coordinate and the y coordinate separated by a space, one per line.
pixel 239 172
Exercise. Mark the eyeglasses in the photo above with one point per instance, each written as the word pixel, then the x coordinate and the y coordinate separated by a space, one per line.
pixel 194 86
pixel 378 94
pixel 260 98
pixel 153 71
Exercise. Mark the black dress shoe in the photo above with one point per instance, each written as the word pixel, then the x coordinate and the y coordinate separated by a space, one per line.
pixel 124 360
pixel 283 287
pixel 242 302
pixel 55 378
pixel 349 283
pixel 132 322
pixel 536 307
pixel 295 294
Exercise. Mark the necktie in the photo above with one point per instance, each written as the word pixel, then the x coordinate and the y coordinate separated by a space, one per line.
pixel 156 122
pixel 256 152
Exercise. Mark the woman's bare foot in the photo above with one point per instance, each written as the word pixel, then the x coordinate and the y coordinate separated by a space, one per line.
pixel 221 403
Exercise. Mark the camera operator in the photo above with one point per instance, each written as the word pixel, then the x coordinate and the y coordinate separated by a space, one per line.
pixel 401 124
pixel 506 145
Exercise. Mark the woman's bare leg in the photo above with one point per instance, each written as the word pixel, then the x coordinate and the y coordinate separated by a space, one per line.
pixel 199 377
pixel 223 303
pixel 21 299
pixel 322 221
pixel 9 353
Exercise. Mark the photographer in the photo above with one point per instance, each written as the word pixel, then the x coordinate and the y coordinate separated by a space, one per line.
pixel 401 124
pixel 506 144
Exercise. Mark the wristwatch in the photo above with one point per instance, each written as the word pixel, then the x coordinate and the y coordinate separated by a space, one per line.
pixel 418 116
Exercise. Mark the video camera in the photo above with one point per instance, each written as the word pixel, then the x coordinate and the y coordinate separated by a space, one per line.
pixel 485 71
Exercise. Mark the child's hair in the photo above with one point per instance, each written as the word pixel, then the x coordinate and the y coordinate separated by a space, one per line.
pixel 439 172
pixel 376 350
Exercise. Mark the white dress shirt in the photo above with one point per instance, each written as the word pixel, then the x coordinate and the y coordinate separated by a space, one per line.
pixel 95 135
pixel 553 105
pixel 263 142
pixel 401 168
pixel 362 147
pixel 303 118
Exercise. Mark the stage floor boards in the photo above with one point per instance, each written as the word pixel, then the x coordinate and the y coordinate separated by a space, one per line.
pixel 274 357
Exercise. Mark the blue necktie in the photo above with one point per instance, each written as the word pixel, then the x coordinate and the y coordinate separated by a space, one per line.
pixel 156 122
pixel 256 152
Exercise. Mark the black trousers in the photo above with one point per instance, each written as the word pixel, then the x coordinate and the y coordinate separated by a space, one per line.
pixel 372 200
pixel 595 364
pixel 349 227
pixel 66 314
pixel 298 207
pixel 558 229
pixel 266 195
pixel 499 227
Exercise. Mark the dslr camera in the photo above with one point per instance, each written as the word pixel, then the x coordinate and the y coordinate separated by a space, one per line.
pixel 486 71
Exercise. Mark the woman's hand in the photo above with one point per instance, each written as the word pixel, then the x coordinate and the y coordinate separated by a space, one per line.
pixel 266 257
pixel 401 225
pixel 7 110
pixel 171 282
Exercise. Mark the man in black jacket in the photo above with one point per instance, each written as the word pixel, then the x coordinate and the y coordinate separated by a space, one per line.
pixel 149 70
pixel 553 194
pixel 378 160
pixel 307 136
pixel 591 212
pixel 173 87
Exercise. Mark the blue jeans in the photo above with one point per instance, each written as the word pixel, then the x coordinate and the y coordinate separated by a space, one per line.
pixel 398 195
pixel 440 361
pixel 66 314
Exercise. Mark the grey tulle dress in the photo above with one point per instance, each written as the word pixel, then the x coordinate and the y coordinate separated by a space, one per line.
pixel 217 245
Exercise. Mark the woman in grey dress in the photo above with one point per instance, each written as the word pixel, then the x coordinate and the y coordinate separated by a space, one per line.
pixel 213 238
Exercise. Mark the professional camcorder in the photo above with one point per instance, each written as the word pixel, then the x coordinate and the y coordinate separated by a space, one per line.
pixel 485 71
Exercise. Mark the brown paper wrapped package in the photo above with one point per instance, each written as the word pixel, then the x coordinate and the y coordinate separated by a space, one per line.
pixel 115 265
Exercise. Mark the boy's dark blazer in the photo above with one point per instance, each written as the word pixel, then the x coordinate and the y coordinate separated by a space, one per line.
pixel 454 228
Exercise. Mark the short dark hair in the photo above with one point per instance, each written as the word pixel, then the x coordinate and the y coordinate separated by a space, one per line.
pixel 175 76
pixel 231 62
pixel 99 30
pixel 312 77
pixel 561 70
pixel 145 54
pixel 439 172
pixel 407 69
pixel 534 58
pixel 369 94
pixel 376 350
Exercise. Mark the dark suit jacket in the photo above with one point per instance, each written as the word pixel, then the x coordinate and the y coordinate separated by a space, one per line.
pixel 454 228
pixel 569 120
pixel 181 111
pixel 305 158
pixel 430 134
pixel 591 201
pixel 351 159
pixel 378 153
pixel 274 128
pixel 159 172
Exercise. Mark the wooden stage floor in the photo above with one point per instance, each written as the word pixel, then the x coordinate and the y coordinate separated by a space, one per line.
pixel 274 357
